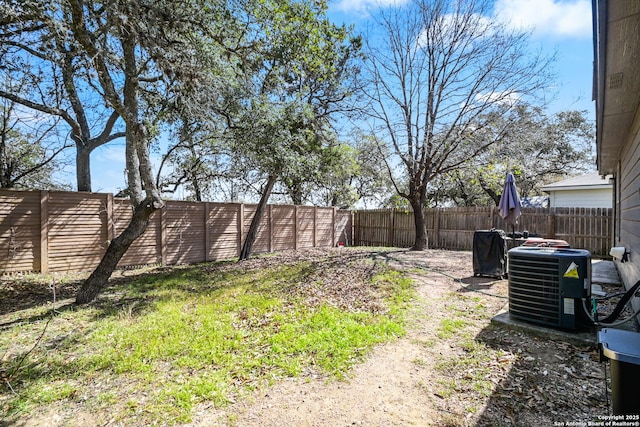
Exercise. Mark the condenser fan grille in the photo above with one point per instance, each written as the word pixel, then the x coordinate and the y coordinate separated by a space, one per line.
pixel 534 289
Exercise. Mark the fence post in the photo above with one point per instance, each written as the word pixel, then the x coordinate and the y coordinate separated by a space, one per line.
pixel 295 227
pixel 315 226
pixel 270 225
pixel 44 231
pixel 110 225
pixel 240 226
pixel 207 236
pixel 491 217
pixel 351 228
pixel 355 238
pixel 333 227
pixel 163 234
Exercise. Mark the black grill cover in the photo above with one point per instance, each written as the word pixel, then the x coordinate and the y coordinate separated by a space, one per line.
pixel 489 253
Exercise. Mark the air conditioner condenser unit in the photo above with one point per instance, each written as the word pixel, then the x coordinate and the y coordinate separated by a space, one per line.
pixel 547 285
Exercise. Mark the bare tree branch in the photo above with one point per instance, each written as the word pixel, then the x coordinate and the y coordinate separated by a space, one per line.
pixel 438 72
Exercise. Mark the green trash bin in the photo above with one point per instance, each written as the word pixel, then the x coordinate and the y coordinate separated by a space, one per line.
pixel 622 348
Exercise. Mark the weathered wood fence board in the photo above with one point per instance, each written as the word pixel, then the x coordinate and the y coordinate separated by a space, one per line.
pixel 52 231
pixel 453 228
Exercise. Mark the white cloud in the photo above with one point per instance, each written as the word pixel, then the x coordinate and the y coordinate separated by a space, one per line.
pixel 365 5
pixel 555 18
pixel 506 98
pixel 547 17
pixel 484 26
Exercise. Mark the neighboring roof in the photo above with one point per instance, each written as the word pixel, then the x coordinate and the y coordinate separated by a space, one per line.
pixel 591 181
pixel 535 202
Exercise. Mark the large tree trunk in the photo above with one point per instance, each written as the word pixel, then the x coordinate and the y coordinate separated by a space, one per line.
pixel 485 187
pixel 139 164
pixel 245 253
pixel 5 169
pixel 83 168
pixel 295 192
pixel 117 248
pixel 421 243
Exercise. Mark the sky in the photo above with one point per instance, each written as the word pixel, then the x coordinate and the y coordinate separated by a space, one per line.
pixel 560 26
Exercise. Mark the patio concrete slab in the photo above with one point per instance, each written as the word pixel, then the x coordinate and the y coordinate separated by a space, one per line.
pixel 604 273
pixel 582 338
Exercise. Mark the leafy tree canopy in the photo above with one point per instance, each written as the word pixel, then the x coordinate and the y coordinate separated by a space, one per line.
pixel 537 148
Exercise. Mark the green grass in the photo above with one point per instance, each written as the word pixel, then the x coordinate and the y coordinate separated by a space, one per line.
pixel 189 336
pixel 470 368
pixel 450 327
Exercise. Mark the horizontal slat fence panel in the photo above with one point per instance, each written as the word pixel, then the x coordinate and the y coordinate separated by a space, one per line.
pixel 284 227
pixel 223 221
pixel 185 232
pixel 325 233
pixel 20 231
pixel 305 227
pixel 51 231
pixel 85 214
pixel 262 243
pixel 453 228
pixel 146 249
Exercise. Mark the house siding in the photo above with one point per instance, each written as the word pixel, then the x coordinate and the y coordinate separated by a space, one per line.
pixel 587 198
pixel 628 207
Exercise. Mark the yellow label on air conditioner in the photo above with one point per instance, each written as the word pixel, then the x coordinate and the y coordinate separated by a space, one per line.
pixel 572 271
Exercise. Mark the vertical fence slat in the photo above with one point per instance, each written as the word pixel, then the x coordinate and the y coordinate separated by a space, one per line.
pixel 391 229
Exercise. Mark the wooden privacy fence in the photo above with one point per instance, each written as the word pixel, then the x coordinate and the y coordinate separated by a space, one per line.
pixel 54 231
pixel 453 228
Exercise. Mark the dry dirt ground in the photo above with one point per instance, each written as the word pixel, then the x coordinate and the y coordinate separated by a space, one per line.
pixel 453 368
pixel 427 379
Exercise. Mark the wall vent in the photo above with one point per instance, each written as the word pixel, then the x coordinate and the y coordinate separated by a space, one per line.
pixel 615 80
